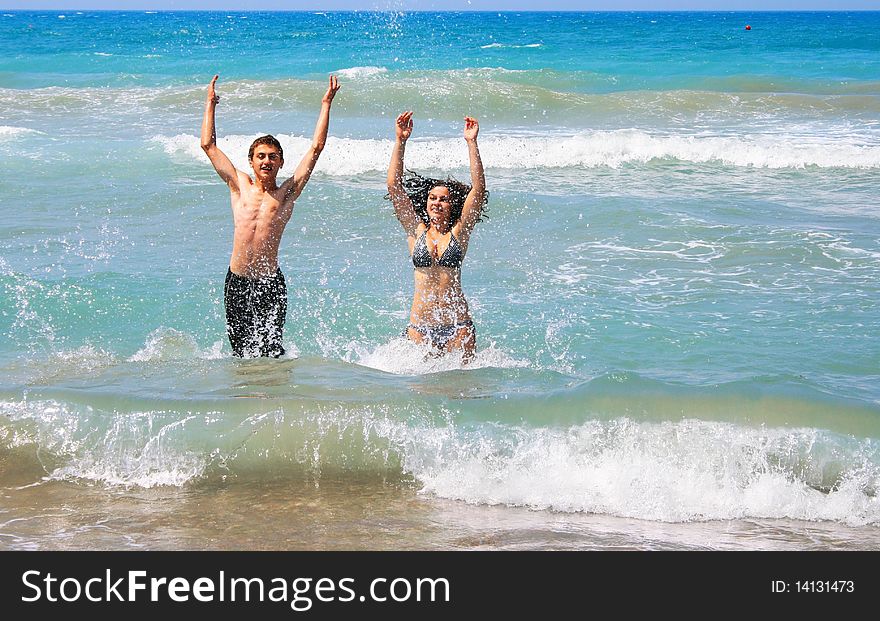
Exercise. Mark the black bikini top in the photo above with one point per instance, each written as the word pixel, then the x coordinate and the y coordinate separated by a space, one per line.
pixel 451 257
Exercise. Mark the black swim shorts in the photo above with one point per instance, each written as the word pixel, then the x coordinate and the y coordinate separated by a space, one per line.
pixel 255 312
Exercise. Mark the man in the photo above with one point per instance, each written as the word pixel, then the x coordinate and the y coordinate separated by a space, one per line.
pixel 255 294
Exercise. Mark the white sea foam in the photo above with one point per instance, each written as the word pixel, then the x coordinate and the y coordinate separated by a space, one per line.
pixel 145 466
pixel 403 357
pixel 82 359
pixel 510 45
pixel 144 449
pixel 846 249
pixel 165 343
pixel 9 132
pixel 169 344
pixel 345 156
pixel 672 472
pixel 622 147
pixel 682 471
pixel 354 73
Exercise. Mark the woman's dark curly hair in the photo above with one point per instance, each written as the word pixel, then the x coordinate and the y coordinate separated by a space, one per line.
pixel 418 187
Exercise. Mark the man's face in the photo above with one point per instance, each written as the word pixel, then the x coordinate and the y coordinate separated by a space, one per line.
pixel 266 161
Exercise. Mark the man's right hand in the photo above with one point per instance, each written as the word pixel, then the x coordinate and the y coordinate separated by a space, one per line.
pixel 213 97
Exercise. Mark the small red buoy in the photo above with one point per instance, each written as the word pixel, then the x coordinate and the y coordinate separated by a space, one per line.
pixel 748 27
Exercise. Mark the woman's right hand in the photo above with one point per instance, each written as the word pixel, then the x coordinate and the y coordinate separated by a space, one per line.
pixel 404 126
pixel 471 128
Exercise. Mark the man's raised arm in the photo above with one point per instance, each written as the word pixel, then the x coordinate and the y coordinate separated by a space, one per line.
pixel 222 164
pixel 294 186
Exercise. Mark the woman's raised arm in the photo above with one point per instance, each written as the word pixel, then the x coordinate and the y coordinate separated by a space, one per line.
pixel 476 198
pixel 403 207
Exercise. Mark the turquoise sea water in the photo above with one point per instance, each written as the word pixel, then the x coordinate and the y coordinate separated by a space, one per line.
pixel 676 291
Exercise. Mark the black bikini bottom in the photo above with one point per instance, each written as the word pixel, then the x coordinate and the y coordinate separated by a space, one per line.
pixel 440 335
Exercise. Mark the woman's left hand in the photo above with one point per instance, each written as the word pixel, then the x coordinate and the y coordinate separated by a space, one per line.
pixel 471 128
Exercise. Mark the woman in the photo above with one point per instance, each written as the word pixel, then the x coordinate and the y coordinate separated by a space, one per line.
pixel 438 217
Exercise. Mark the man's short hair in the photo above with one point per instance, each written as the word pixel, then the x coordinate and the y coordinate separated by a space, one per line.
pixel 269 140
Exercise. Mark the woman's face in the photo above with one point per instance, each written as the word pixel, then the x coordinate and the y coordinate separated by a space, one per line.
pixel 439 205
